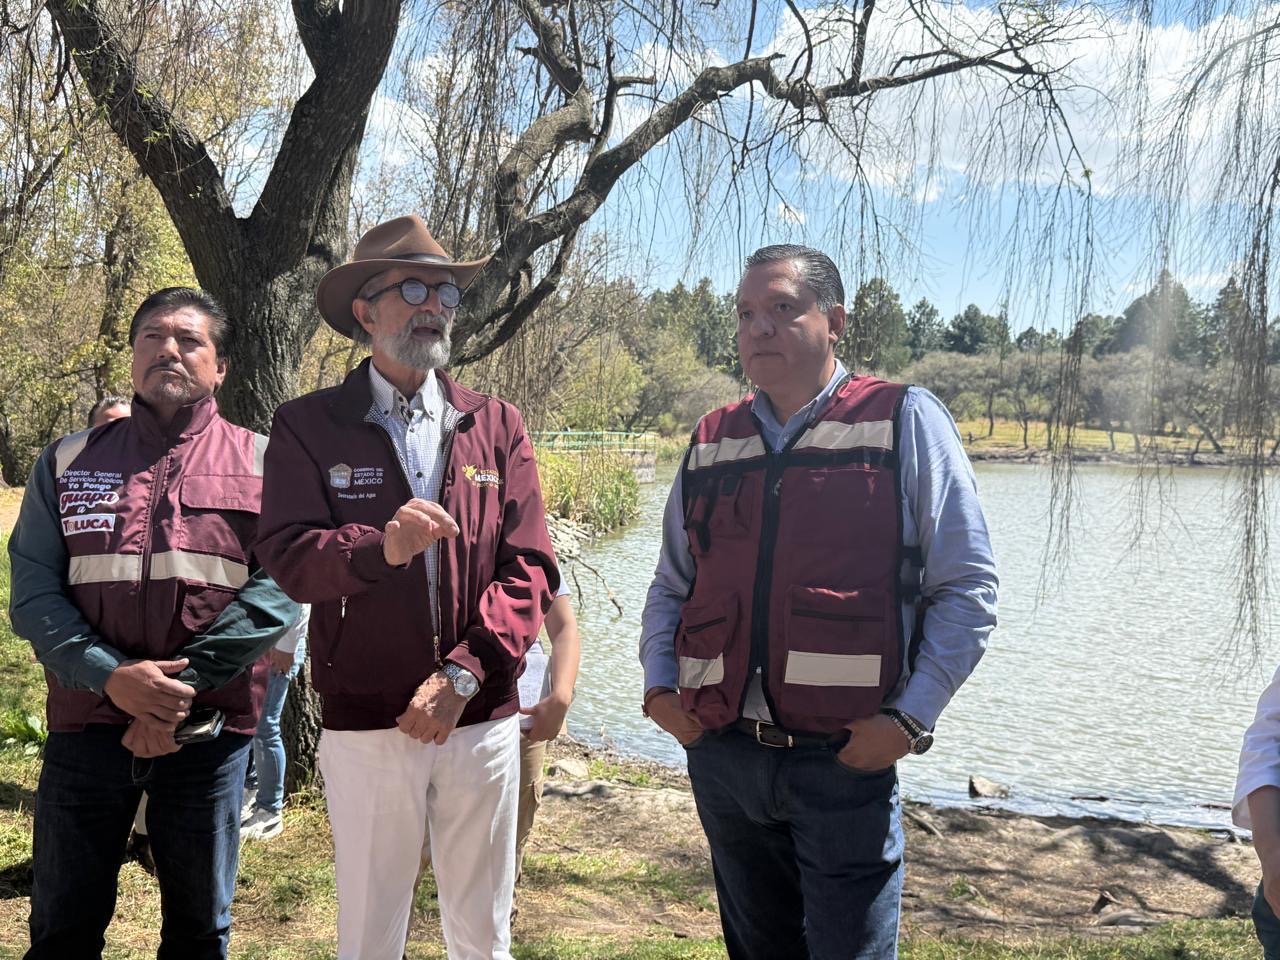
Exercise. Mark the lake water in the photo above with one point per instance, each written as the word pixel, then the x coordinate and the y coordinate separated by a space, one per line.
pixel 1120 682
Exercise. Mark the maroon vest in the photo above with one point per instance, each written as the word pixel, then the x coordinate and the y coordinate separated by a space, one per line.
pixel 799 560
pixel 158 527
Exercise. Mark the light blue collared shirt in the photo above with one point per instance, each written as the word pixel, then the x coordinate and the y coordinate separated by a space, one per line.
pixel 940 513
pixel 417 429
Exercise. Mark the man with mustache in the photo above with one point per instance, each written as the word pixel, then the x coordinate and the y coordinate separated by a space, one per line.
pixel 406 510
pixel 135 582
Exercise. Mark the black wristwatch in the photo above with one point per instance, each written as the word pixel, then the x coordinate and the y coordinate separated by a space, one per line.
pixel 920 738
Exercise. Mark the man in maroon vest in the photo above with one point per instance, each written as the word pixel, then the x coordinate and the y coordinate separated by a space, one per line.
pixel 134 581
pixel 825 585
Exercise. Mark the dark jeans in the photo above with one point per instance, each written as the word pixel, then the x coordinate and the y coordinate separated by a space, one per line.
pixel 807 852
pixel 89 790
pixel 1267 926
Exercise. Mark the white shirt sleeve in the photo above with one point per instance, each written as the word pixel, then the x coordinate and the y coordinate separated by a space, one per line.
pixel 294 640
pixel 1260 754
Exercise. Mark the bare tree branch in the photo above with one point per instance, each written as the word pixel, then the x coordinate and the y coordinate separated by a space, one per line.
pixel 164 147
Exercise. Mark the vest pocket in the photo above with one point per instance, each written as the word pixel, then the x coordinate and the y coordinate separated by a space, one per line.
pixel 705 686
pixel 202 604
pixel 841 656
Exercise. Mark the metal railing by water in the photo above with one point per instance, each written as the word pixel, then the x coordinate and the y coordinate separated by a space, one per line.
pixel 610 441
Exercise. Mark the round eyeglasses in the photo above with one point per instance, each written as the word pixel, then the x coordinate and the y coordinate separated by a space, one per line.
pixel 415 292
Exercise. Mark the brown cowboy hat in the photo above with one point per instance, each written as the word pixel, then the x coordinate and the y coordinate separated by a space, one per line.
pixel 396 243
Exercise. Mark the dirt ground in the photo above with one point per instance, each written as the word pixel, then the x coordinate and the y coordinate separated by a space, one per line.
pixel 969 871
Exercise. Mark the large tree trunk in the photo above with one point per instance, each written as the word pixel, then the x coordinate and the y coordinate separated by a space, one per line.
pixel 120 265
pixel 300 729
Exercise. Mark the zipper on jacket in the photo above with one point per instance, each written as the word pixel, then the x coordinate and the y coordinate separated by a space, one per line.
pixel 824 615
pixel 157 491
pixel 437 623
pixel 763 589
pixel 764 584
pixel 337 641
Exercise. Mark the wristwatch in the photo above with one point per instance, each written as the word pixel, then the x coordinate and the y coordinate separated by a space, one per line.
pixel 920 738
pixel 464 681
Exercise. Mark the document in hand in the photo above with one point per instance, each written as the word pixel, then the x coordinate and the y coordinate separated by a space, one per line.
pixel 535 682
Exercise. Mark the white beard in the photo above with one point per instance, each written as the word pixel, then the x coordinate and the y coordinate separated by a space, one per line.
pixel 418 354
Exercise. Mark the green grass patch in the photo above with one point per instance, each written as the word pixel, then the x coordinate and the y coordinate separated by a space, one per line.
pixel 619 874
pixel 598 769
pixel 1189 940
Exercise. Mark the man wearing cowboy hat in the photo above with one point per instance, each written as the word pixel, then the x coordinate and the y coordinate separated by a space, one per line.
pixel 406 509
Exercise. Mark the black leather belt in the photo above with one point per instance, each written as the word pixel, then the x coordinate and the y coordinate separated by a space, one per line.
pixel 771 735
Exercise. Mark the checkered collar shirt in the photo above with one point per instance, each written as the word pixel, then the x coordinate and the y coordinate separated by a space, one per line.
pixel 419 427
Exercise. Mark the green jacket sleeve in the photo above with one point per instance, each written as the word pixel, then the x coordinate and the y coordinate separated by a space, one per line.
pixel 247 628
pixel 40 608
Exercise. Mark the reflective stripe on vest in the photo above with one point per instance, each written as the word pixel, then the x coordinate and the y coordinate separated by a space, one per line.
pixel 701 673
pixel 830 435
pixel 832 669
pixel 173 564
pixel 725 451
pixel 68 449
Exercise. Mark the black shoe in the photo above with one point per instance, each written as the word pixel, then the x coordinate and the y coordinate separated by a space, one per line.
pixel 139 849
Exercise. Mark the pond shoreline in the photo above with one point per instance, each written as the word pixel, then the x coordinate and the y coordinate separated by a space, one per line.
pixel 1160 458
pixel 977 871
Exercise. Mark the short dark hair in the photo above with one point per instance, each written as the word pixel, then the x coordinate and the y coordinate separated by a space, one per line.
pixel 816 270
pixel 106 403
pixel 174 298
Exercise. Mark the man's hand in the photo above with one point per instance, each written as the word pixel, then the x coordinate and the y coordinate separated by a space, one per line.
pixel 416 526
pixel 548 717
pixel 281 660
pixel 141 689
pixel 874 743
pixel 147 737
pixel 433 712
pixel 666 712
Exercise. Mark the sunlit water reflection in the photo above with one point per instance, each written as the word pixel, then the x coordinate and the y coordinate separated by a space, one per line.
pixel 1120 682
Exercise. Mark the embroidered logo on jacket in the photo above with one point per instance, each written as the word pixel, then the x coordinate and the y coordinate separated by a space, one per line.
pixel 482 476
pixel 88 523
pixel 82 500
pixel 340 476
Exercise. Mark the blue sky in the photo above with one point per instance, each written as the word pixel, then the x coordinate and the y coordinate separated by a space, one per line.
pixel 929 186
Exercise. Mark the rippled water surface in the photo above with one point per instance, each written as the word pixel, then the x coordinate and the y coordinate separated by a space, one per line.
pixel 1119 683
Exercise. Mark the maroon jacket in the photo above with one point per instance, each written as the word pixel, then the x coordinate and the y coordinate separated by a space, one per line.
pixel 333 480
pixel 799 557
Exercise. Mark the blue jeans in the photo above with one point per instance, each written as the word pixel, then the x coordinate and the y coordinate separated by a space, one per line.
pixel 807 852
pixel 268 746
pixel 1267 926
pixel 89 790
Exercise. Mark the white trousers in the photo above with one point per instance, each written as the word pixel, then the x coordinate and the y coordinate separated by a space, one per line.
pixel 383 788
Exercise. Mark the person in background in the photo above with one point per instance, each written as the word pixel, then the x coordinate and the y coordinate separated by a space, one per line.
pixel 542 717
pixel 107 409
pixel 1256 807
pixel 261 814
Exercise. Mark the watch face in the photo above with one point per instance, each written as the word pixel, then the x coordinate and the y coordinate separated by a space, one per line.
pixel 922 744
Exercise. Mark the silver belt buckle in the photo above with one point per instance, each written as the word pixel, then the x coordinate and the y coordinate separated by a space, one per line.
pixel 760 725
